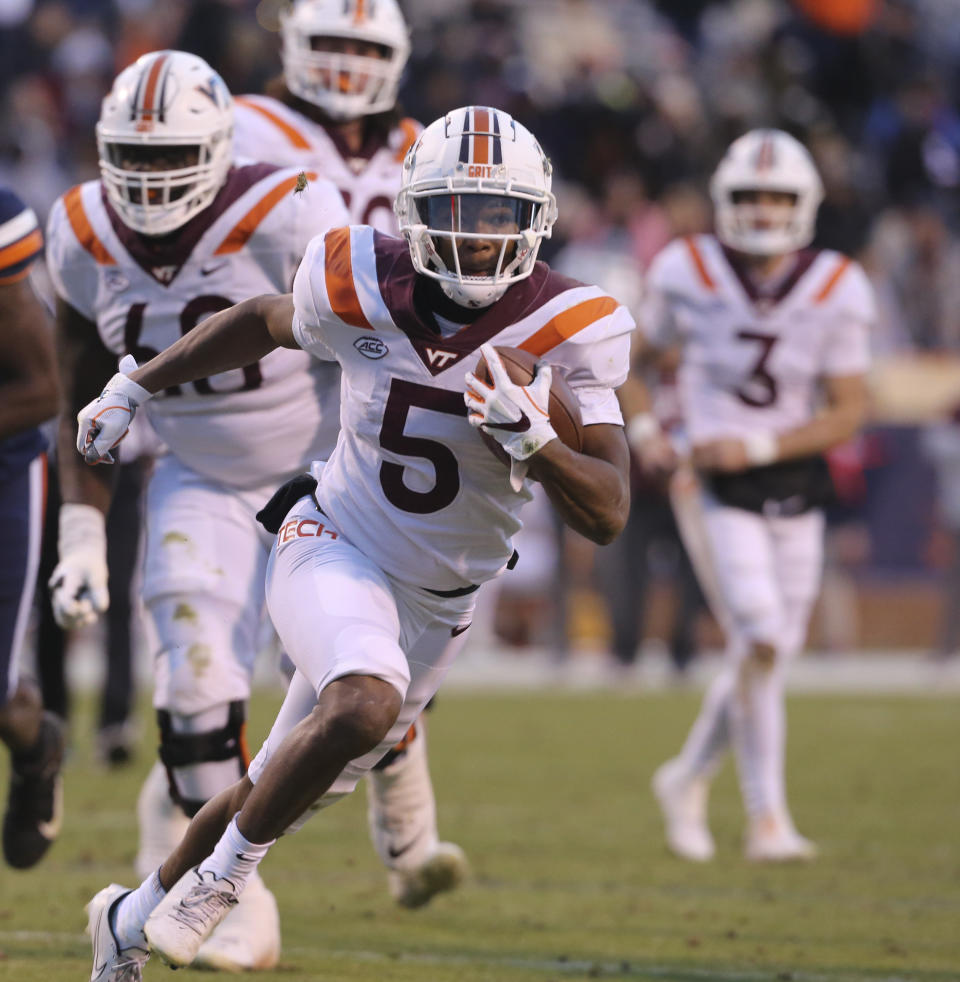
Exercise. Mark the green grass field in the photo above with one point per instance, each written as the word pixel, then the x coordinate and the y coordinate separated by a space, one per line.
pixel 549 796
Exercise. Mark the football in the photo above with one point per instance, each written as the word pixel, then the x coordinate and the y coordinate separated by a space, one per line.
pixel 563 408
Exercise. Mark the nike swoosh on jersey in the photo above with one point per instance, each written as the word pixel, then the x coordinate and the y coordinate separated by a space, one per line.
pixel 520 426
pixel 209 271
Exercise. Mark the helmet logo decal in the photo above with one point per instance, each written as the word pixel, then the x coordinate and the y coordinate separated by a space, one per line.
pixel 147 100
pixel 480 143
pixel 210 91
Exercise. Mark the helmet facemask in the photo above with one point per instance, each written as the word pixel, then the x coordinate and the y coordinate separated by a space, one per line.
pixel 507 228
pixel 157 188
pixel 763 227
pixel 343 85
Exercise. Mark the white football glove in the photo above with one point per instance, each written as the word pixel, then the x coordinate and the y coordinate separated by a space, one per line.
pixel 103 423
pixel 79 583
pixel 516 416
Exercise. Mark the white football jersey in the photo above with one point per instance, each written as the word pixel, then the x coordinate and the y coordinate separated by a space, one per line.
pixel 267 129
pixel 755 363
pixel 411 483
pixel 243 427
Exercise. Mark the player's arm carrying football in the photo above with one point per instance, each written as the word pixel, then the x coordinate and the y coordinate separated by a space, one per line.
pixel 590 489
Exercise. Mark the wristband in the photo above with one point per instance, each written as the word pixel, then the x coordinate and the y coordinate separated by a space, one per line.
pixel 761 448
pixel 122 383
pixel 641 429
pixel 81 527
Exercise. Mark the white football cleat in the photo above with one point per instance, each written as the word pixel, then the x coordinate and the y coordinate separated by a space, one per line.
pixel 683 802
pixel 182 922
pixel 249 937
pixel 110 962
pixel 772 840
pixel 444 869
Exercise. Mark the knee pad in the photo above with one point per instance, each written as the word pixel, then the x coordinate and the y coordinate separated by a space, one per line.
pixel 763 655
pixel 202 758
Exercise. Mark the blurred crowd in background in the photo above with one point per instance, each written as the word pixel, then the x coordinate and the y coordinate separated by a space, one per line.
pixel 635 101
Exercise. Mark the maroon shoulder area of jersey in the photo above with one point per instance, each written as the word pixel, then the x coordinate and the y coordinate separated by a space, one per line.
pixel 170 253
pixel 410 310
pixel 803 260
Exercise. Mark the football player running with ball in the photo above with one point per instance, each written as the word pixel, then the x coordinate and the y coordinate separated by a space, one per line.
pixel 172 232
pixel 384 547
pixel 774 350
pixel 334 112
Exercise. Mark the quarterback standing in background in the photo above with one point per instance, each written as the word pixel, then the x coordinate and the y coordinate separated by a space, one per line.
pixel 774 341
pixel 172 232
pixel 373 577
pixel 334 112
pixel 28 397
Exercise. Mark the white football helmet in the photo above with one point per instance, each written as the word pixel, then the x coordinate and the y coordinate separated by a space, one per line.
pixel 766 160
pixel 344 86
pixel 167 107
pixel 475 166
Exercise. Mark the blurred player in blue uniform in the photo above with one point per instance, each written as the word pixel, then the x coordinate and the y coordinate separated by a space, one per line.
pixel 28 396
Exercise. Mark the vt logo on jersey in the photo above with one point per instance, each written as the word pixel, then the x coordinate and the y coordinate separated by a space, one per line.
pixel 440 358
pixel 372 348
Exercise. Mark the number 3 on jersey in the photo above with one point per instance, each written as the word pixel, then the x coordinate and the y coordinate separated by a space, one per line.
pixel 760 389
pixel 190 316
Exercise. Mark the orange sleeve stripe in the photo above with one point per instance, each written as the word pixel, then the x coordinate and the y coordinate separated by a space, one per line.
pixel 290 132
pixel 567 323
pixel 827 287
pixel 699 264
pixel 338 273
pixel 7 280
pixel 82 228
pixel 409 128
pixel 240 233
pixel 17 251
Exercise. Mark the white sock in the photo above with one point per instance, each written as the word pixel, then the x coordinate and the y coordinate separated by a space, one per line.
pixel 709 736
pixel 132 912
pixel 401 810
pixel 234 857
pixel 758 732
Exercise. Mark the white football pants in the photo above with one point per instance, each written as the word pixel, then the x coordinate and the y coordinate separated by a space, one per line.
pixel 337 614
pixel 761 575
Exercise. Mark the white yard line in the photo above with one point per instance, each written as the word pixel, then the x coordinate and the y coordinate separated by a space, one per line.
pixel 623 968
